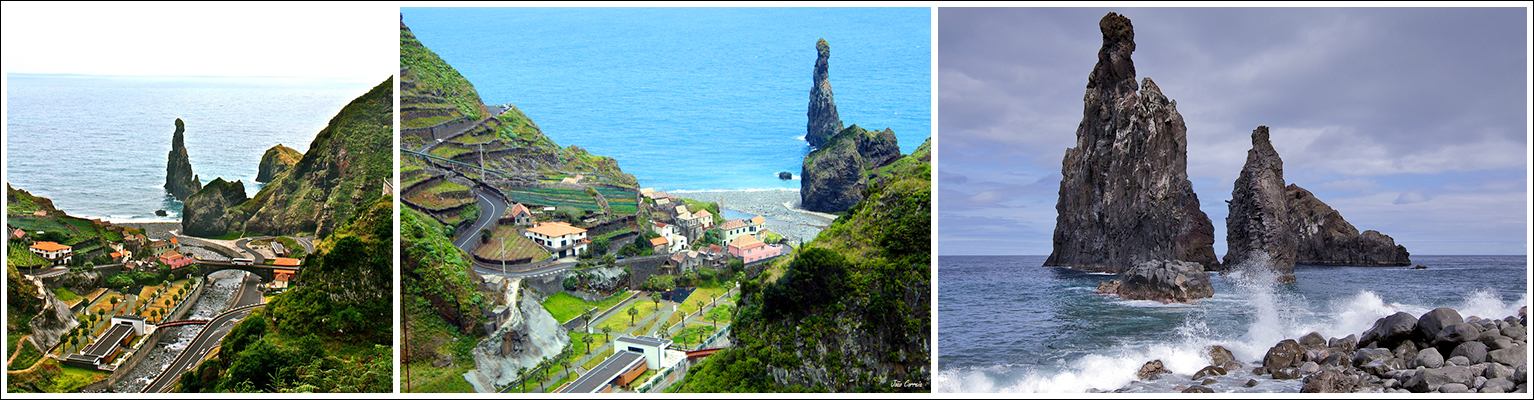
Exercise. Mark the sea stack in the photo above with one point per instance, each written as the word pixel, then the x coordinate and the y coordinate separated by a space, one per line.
pixel 275 161
pixel 206 213
pixel 179 180
pixel 834 176
pixel 1324 238
pixel 1259 230
pixel 823 119
pixel 1125 198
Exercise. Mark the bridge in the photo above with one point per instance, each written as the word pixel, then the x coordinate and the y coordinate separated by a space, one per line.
pixel 268 273
pixel 198 349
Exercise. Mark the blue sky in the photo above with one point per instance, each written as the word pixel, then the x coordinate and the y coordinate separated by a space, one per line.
pixel 1412 122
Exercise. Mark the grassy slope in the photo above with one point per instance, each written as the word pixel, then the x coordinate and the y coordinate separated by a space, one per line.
pixel 864 284
pixel 440 304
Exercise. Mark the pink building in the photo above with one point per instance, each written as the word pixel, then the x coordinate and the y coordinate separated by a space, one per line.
pixel 175 259
pixel 750 250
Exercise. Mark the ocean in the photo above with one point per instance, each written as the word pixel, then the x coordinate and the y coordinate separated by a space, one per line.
pixel 97 145
pixel 691 98
pixel 1006 324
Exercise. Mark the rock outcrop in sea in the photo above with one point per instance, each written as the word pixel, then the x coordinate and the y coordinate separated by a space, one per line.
pixel 276 160
pixel 1325 238
pixel 835 174
pixel 207 212
pixel 1125 197
pixel 1259 229
pixel 1163 281
pixel 179 179
pixel 824 122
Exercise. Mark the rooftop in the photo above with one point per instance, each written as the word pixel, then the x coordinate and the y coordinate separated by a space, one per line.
pixel 110 340
pixel 746 242
pixel 733 224
pixel 660 241
pixel 555 229
pixel 598 378
pixel 286 262
pixel 49 246
pixel 644 340
pixel 758 220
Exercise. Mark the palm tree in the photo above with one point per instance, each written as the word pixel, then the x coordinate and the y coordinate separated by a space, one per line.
pixel 633 313
pixel 607 333
pixel 522 375
pixel 586 339
pixel 700 306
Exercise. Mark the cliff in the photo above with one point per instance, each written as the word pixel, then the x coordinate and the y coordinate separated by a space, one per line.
pixel 851 311
pixel 344 169
pixel 179 180
pixel 1325 238
pixel 834 175
pixel 21 202
pixel 824 122
pixel 1259 230
pixel 276 160
pixel 207 213
pixel 1125 197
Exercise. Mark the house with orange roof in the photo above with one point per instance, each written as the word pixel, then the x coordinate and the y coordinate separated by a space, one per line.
pixel 751 250
pixel 707 218
pixel 560 238
pixel 18 234
pixel 520 215
pixel 661 245
pixel 281 278
pixel 53 252
pixel 286 262
pixel 175 259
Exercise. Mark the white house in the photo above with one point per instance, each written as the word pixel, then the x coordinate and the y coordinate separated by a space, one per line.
pixel 559 238
pixel 53 252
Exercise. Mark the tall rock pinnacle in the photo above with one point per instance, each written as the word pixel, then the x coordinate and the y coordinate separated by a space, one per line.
pixel 823 119
pixel 1125 197
pixel 1259 230
pixel 179 180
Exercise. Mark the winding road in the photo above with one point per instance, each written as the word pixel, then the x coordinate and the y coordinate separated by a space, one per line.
pixel 211 335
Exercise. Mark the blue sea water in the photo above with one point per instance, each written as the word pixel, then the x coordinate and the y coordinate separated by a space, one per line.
pixel 1006 324
pixel 97 145
pixel 691 98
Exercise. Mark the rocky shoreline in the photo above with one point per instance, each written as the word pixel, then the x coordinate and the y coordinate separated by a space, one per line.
pixel 781 207
pixel 1401 353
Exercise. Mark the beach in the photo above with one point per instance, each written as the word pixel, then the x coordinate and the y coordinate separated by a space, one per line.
pixel 779 206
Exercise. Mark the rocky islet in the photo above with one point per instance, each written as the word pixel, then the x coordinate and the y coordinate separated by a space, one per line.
pixel 180 182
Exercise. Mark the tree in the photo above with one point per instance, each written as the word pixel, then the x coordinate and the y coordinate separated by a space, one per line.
pixel 586 339
pixel 607 332
pixel 609 260
pixel 655 298
pixel 700 306
pixel 522 375
pixel 633 313
pixel 484 235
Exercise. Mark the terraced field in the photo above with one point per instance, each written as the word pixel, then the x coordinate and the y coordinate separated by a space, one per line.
pixel 442 195
pixel 621 201
pixel 508 244
pixel 554 197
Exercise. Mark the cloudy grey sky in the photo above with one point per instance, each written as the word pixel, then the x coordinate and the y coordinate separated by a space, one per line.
pixel 1412 122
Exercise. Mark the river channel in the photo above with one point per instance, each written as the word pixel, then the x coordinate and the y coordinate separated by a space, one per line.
pixel 215 299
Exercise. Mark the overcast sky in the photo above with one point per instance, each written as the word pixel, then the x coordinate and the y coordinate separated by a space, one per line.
pixel 326 40
pixel 1412 122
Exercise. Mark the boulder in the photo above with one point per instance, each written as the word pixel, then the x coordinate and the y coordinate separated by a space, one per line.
pixel 1496 342
pixel 1312 340
pixel 1197 389
pixel 1219 356
pixel 1391 330
pixel 1286 373
pixel 1258 232
pixel 1433 321
pixel 1512 356
pixel 1350 342
pixel 1324 238
pixel 1309 367
pixel 1285 354
pixel 1454 334
pixel 1151 370
pixel 1430 380
pixel 1454 388
pixel 1498 385
pixel 1475 352
pixel 1125 196
pixel 824 121
pixel 1208 372
pixel 1250 383
pixel 1406 350
pixel 1457 361
pixel 1497 370
pixel 1367 355
pixel 1330 381
pixel 1166 282
pixel 1428 357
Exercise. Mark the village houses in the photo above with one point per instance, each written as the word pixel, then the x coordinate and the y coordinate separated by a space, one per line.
pixel 53 252
pixel 559 238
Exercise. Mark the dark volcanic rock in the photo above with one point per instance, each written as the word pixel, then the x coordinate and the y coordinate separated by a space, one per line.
pixel 1434 321
pixel 1391 330
pixel 1325 238
pixel 275 161
pixel 1285 354
pixel 824 122
pixel 1259 230
pixel 1329 381
pixel 179 180
pixel 1166 282
pixel 835 175
pixel 207 213
pixel 1475 352
pixel 1151 370
pixel 1125 197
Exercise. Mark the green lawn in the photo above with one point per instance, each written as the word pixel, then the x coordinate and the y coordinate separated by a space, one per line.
pixel 693 334
pixel 565 307
pixel 425 378
pixel 65 295
pixel 704 294
pixel 620 321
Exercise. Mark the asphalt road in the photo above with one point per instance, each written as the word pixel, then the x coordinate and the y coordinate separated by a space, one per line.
pixel 211 335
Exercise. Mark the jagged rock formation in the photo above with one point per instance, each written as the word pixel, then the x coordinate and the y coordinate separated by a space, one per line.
pixel 276 160
pixel 207 212
pixel 1259 230
pixel 1163 281
pixel 824 122
pixel 527 337
pixel 344 169
pixel 179 179
pixel 1125 197
pixel 54 320
pixel 835 175
pixel 1325 238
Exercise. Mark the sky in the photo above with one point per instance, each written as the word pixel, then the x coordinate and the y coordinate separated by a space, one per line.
pixel 1412 122
pixel 324 40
